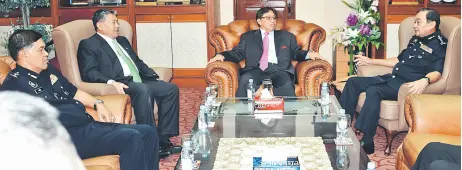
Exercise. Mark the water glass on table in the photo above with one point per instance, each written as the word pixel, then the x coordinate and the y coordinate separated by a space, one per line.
pixel 187 152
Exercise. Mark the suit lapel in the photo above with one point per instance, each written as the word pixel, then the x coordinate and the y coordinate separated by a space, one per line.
pixel 258 38
pixel 277 41
pixel 117 66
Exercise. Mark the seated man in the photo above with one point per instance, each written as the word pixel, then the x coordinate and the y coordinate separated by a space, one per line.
pixel 438 156
pixel 268 54
pixel 109 58
pixel 137 145
pixel 418 65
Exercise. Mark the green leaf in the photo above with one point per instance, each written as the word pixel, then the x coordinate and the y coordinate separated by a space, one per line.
pixel 347 4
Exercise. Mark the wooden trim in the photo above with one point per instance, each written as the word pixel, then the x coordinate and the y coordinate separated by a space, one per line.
pixel 188 18
pixel 42 20
pixel 121 10
pixel 123 17
pixel 188 72
pixel 404 9
pixel 54 12
pixel 132 21
pixel 170 9
pixel 152 18
pixel 190 82
pixel 446 9
pixel 396 19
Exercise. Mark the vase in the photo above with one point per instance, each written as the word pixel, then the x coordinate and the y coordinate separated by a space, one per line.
pixel 25 12
pixel 352 51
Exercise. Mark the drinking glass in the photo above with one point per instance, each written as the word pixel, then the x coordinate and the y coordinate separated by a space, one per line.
pixel 267 84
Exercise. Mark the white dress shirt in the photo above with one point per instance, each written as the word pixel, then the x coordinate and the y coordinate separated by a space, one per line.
pixel 125 68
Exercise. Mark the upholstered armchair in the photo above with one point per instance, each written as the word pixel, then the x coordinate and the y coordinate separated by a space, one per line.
pixel 432 118
pixel 118 104
pixel 310 74
pixel 67 38
pixel 392 117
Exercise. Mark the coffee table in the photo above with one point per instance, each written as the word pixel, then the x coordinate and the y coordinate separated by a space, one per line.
pixel 301 118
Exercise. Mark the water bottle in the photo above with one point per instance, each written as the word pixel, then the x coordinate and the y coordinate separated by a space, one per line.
pixel 371 166
pixel 187 156
pixel 250 90
pixel 325 92
pixel 340 112
pixel 203 142
pixel 202 118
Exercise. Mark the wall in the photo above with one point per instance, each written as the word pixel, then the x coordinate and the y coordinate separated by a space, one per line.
pixel 314 11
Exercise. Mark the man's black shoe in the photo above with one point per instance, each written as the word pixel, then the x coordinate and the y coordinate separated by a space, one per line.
pixel 171 148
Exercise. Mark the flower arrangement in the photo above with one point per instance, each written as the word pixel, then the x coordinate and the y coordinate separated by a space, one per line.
pixel 361 29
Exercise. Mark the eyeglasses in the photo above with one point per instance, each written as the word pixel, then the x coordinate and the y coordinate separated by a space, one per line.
pixel 270 18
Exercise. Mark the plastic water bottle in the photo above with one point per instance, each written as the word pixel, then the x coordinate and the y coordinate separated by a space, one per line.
pixel 250 90
pixel 340 112
pixel 202 117
pixel 371 166
pixel 325 92
pixel 203 142
pixel 187 156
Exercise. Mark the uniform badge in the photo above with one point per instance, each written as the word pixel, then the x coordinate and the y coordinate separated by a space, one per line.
pixel 426 48
pixel 56 95
pixel 39 90
pixel 53 79
pixel 441 40
pixel 30 75
pixel 33 84
pixel 431 37
pixel 15 75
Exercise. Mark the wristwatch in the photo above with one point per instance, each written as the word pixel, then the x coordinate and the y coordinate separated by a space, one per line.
pixel 428 80
pixel 98 101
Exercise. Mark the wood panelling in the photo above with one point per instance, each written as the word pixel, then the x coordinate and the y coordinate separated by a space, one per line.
pixel 42 20
pixel 124 17
pixel 396 19
pixel 121 10
pixel 188 18
pixel 188 72
pixel 170 9
pixel 404 9
pixel 37 12
pixel 190 82
pixel 152 18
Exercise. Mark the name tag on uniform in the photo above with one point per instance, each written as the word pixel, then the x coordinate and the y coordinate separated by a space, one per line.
pixel 39 90
pixel 426 48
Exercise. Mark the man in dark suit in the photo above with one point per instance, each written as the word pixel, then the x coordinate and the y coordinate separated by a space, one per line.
pixel 108 58
pixel 268 54
pixel 137 145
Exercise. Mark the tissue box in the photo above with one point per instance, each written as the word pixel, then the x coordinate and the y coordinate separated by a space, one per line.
pixel 273 105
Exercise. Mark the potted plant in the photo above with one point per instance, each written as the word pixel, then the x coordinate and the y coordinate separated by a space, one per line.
pixel 361 29
pixel 7 6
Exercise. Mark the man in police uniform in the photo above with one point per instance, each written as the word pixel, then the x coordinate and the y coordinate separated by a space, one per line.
pixel 418 66
pixel 137 145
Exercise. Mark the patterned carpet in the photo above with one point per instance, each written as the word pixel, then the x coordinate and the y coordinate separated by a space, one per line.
pixel 190 99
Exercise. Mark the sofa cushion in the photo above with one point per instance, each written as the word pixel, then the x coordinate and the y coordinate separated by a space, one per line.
pixel 388 108
pixel 415 142
pixel 164 73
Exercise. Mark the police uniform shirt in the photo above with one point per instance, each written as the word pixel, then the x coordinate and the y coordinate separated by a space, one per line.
pixel 422 56
pixel 52 86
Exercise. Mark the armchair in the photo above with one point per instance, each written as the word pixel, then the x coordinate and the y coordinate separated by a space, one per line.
pixel 310 74
pixel 392 117
pixel 118 104
pixel 432 118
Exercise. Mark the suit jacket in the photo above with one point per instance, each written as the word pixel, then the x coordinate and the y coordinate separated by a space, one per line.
pixel 99 63
pixel 250 48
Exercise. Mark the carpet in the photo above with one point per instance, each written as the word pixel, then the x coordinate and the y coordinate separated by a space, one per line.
pixel 190 99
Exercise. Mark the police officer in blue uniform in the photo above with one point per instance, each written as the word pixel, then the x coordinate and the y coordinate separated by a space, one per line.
pixel 419 65
pixel 137 145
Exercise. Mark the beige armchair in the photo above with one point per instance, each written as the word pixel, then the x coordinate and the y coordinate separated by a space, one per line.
pixel 392 117
pixel 118 104
pixel 310 74
pixel 67 38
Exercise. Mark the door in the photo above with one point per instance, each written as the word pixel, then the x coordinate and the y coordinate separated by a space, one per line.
pixel 247 9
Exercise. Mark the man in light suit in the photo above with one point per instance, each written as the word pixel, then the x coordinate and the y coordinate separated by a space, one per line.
pixel 109 58
pixel 268 54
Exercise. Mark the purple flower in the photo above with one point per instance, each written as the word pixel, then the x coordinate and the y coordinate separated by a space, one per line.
pixel 352 19
pixel 365 30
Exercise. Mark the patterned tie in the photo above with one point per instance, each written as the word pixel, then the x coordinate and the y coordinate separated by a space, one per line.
pixel 264 55
pixel 133 71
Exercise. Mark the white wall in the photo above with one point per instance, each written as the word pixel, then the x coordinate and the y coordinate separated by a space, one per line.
pixel 325 13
